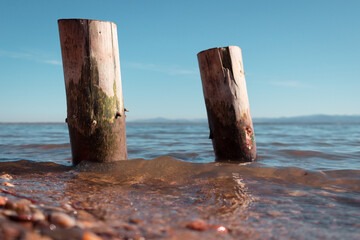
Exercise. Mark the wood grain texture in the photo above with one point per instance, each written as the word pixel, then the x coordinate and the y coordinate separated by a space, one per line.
pixel 95 108
pixel 227 104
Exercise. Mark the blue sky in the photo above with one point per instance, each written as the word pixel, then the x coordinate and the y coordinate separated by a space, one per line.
pixel 300 57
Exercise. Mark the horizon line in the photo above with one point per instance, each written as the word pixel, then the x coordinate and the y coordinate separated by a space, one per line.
pixel 186 119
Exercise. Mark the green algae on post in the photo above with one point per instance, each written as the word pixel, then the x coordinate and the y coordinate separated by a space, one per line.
pixel 227 104
pixel 95 109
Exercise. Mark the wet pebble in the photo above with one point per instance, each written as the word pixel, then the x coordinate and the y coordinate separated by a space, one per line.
pixel 275 213
pixel 68 207
pixel 35 236
pixel 43 224
pixel 82 214
pixel 129 227
pixel 85 224
pixel 220 229
pixel 198 225
pixel 21 206
pixel 297 193
pixel 9 213
pixel 38 216
pixel 201 225
pixel 6 177
pixel 24 217
pixel 21 217
pixel 61 219
pixel 90 236
pixel 3 201
pixel 7 184
pixel 139 238
pixel 135 220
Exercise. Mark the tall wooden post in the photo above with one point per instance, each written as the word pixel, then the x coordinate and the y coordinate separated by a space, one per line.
pixel 227 104
pixel 95 109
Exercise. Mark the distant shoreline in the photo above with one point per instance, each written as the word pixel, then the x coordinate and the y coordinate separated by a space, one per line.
pixel 318 118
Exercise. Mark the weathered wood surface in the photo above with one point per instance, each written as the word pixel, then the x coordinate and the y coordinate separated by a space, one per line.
pixel 95 109
pixel 227 104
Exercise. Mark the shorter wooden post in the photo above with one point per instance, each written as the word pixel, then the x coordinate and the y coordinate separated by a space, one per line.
pixel 227 104
pixel 95 108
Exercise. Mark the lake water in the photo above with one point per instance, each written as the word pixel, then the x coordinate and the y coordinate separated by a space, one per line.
pixel 304 185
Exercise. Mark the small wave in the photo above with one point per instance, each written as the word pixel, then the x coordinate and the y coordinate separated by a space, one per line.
pixel 278 144
pixel 21 167
pixel 308 154
pixel 170 167
pixel 44 146
pixel 323 144
pixel 184 156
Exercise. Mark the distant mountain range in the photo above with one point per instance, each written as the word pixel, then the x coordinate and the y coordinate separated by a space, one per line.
pixel 319 118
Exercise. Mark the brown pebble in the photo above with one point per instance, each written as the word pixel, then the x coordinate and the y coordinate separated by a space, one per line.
pixel 22 217
pixel 129 227
pixel 13 204
pixel 90 236
pixel 44 224
pixel 139 238
pixel 3 201
pixel 85 224
pixel 82 214
pixel 61 219
pixel 67 207
pixel 135 220
pixel 35 236
pixel 20 206
pixel 38 216
pixel 6 177
pixel 275 213
pixel 198 225
pixel 7 184
pixel 9 213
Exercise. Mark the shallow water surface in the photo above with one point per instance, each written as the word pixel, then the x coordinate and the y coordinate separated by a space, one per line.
pixel 305 184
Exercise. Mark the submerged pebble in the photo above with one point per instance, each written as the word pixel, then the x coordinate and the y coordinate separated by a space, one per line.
pixel 6 177
pixel 201 225
pixel 83 224
pixel 35 236
pixel 90 236
pixel 3 201
pixel 7 184
pixel 38 216
pixel 62 220
pixel 135 220
pixel 198 225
